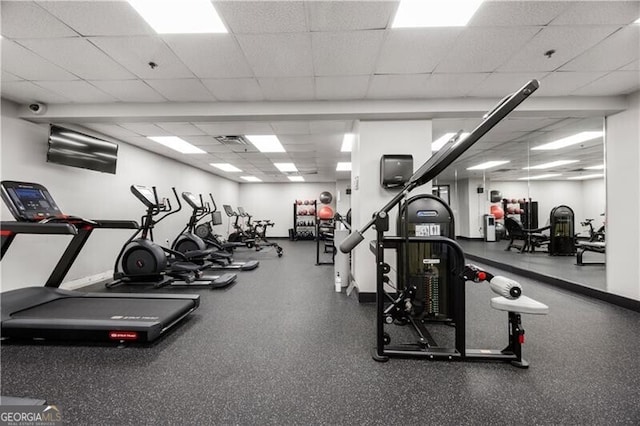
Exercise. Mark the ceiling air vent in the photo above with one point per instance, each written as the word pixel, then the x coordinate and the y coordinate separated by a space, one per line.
pixel 232 140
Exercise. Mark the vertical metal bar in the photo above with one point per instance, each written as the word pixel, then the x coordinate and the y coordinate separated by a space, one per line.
pixel 69 256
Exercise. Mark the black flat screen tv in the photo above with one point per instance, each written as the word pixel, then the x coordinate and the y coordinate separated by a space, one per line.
pixel 75 149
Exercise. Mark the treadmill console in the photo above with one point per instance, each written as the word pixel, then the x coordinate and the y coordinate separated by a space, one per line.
pixel 29 202
pixel 144 194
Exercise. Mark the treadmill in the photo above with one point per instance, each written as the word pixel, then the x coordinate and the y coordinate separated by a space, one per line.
pixel 51 313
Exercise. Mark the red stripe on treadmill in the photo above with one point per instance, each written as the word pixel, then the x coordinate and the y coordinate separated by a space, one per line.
pixel 123 335
pixel 6 233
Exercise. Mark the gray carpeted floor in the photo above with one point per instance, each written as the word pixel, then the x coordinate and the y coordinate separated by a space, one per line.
pixel 281 347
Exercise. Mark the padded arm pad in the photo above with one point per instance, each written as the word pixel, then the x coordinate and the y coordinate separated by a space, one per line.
pixel 523 305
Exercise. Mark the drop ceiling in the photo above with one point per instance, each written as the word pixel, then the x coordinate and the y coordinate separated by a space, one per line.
pixel 94 55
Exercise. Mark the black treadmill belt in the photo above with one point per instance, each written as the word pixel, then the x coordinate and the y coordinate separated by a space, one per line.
pixel 105 309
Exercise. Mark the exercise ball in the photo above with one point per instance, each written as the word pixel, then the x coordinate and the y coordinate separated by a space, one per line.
pixel 299 202
pixel 325 213
pixel 326 197
pixel 497 212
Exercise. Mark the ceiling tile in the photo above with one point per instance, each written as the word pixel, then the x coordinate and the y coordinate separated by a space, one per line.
pixel 453 85
pixel 77 91
pixel 204 141
pixel 321 127
pixel 568 42
pixel 210 55
pixel 181 129
pixel 395 86
pixel 563 83
pixel 342 87
pixel 278 55
pixel 129 90
pixel 301 150
pixel 182 90
pixel 26 91
pixel 615 51
pixel 7 76
pixel 78 56
pixel 599 13
pixel 92 18
pixel 244 17
pixel 236 128
pixel 346 53
pixel 234 89
pixel 287 88
pixel 26 19
pixel 615 83
pixel 350 15
pixel 135 54
pixel 291 127
pixel 29 66
pixel 517 13
pixel 112 130
pixel 498 85
pixel 480 49
pixel 633 66
pixel 145 129
pixel 415 50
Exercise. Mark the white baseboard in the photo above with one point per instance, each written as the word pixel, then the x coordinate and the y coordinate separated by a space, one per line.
pixel 85 281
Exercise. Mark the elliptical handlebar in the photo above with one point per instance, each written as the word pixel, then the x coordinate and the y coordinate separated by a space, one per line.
pixel 215 207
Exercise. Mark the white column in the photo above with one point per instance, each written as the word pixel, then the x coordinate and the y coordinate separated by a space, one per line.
pixel 623 200
pixel 373 139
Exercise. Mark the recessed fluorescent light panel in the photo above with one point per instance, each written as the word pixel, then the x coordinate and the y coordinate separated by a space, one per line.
pixel 180 16
pixel 434 13
pixel 177 144
pixel 226 167
pixel 439 143
pixel 266 143
pixel 296 178
pixel 251 178
pixel 551 164
pixel 343 167
pixel 599 167
pixel 286 167
pixel 548 175
pixel 347 142
pixel 568 141
pixel 583 177
pixel 488 165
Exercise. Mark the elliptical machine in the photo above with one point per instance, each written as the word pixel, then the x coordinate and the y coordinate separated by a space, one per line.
pixel 195 249
pixel 258 232
pixel 205 231
pixel 142 261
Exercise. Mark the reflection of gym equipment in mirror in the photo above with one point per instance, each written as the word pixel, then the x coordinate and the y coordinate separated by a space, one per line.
pixel 428 259
pixel 441 191
pixel 325 228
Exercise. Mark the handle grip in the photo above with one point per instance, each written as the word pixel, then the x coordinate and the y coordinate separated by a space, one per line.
pixel 351 242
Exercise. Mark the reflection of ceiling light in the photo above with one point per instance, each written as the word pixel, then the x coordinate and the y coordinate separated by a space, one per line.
pixel 488 165
pixel 583 177
pixel 225 167
pixel 180 16
pixel 434 13
pixel 251 178
pixel 266 143
pixel 286 167
pixel 599 167
pixel 570 140
pixel 347 142
pixel 439 143
pixel 637 21
pixel 343 167
pixel 177 144
pixel 296 178
pixel 549 175
pixel 551 164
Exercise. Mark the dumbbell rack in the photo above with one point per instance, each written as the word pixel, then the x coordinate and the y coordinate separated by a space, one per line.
pixel 304 225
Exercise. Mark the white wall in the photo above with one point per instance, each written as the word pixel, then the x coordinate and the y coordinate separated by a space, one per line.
pixel 274 201
pixel 375 138
pixel 623 200
pixel 89 194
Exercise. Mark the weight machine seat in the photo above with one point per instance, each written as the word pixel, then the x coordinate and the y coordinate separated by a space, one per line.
pixel 597 246
pixel 522 305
